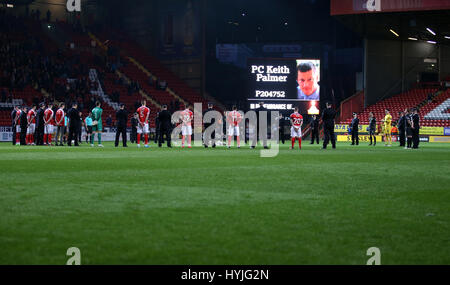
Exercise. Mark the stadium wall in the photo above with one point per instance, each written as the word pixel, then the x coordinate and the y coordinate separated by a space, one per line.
pixel 392 67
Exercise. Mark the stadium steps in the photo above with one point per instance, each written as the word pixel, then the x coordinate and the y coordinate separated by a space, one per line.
pixel 434 119
pixel 176 85
pixel 148 73
pixel 158 98
pixel 99 92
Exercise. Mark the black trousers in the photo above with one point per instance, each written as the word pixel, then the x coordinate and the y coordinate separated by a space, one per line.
pixel 373 138
pixel 13 134
pixel 314 135
pixel 415 138
pixel 213 137
pixel 402 136
pixel 23 135
pixel 355 137
pixel 123 131
pixel 39 135
pixel 329 135
pixel 73 135
pixel 133 135
pixel 157 134
pixel 281 134
pixel 164 131
pixel 256 138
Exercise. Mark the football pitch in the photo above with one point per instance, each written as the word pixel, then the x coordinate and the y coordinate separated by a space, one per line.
pixel 225 206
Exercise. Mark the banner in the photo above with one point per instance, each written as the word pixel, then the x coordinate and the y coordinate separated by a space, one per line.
pixel 6 136
pixel 362 138
pixel 436 139
pixel 446 131
pixel 343 7
pixel 339 128
pixel 435 131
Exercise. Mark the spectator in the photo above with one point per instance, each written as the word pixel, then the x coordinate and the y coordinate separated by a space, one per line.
pixel 109 121
pixel 49 16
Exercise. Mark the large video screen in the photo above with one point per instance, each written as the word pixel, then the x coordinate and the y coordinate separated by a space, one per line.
pixel 283 83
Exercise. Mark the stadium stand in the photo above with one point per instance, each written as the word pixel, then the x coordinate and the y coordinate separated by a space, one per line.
pixel 417 97
pixel 143 66
pixel 431 116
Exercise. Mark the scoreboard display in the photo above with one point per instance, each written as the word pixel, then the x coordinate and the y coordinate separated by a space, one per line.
pixel 283 84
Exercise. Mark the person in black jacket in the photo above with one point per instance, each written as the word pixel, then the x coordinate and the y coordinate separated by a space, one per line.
pixel 328 116
pixel 372 129
pixel 74 120
pixel 134 123
pixel 207 125
pixel 401 128
pixel 165 126
pixel 409 128
pixel 13 120
pixel 355 129
pixel 415 128
pixel 40 125
pixel 121 118
pixel 80 125
pixel 314 129
pixel 23 126
pixel 282 127
pixel 157 128
pixel 259 114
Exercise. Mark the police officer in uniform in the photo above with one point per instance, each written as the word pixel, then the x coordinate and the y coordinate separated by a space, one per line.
pixel 282 127
pixel 372 129
pixel 23 125
pixel 39 134
pixel 259 114
pixel 121 128
pixel 74 121
pixel 13 119
pixel 134 123
pixel 355 129
pixel 314 129
pixel 401 128
pixel 328 116
pixel 408 127
pixel 207 125
pixel 415 128
pixel 165 126
pixel 157 130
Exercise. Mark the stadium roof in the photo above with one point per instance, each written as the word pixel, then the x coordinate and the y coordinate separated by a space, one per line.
pixel 421 25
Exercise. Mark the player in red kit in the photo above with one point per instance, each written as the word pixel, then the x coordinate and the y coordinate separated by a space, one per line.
pixel 142 128
pixel 48 125
pixel 186 126
pixel 17 123
pixel 296 128
pixel 233 120
pixel 31 118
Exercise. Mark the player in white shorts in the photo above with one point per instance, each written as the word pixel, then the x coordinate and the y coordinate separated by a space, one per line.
pixel 296 128
pixel 142 127
pixel 48 125
pixel 186 126
pixel 31 118
pixel 233 120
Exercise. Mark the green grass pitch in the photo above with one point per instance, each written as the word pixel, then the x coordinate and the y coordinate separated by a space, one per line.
pixel 224 206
